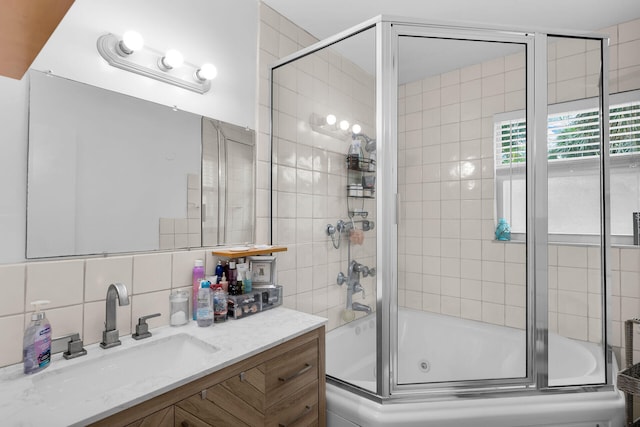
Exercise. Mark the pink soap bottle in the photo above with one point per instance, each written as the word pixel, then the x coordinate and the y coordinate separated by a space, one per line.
pixel 198 276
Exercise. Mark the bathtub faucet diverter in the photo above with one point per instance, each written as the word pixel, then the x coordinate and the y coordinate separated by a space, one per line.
pixel 354 285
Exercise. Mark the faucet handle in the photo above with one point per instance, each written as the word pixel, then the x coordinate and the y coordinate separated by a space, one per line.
pixel 341 279
pixel 75 347
pixel 142 328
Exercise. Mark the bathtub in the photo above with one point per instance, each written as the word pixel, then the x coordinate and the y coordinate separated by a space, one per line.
pixel 499 350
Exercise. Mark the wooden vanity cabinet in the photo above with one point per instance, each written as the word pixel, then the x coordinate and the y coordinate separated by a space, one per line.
pixel 282 386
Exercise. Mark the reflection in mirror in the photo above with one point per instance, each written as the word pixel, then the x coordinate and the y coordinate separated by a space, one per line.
pixel 110 173
pixel 227 183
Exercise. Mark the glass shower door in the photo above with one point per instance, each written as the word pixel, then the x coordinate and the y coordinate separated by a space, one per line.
pixel 462 235
pixel 575 210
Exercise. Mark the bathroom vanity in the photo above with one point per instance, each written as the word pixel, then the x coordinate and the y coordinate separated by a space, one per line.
pixel 280 386
pixel 267 369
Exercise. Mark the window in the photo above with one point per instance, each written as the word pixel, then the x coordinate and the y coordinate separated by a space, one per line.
pixel 573 168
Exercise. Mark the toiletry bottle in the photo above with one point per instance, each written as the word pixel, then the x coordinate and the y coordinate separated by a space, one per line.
pixel 224 283
pixel 232 277
pixel 239 284
pixel 354 155
pixel 219 270
pixel 219 304
pixel 198 275
pixel 204 313
pixel 247 282
pixel 36 346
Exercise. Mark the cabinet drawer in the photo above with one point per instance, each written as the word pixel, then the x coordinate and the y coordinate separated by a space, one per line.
pixel 185 419
pixel 161 418
pixel 217 406
pixel 301 409
pixel 288 373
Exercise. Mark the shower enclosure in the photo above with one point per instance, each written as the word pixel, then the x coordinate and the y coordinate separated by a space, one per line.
pixel 457 128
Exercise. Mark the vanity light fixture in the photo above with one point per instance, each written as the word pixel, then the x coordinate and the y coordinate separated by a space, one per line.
pixel 329 125
pixel 172 59
pixel 131 41
pixel 129 53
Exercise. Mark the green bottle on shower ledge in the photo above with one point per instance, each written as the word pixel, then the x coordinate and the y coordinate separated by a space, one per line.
pixel 503 231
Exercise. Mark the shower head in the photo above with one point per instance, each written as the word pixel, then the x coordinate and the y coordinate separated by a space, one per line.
pixel 369 144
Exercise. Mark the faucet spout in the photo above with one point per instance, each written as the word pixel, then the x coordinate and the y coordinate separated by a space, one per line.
pixel 110 336
pixel 356 306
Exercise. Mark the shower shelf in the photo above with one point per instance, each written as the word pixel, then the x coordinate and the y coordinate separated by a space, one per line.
pixel 361 179
pixel 629 378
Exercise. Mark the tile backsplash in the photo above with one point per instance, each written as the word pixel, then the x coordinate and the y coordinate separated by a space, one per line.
pixel 77 290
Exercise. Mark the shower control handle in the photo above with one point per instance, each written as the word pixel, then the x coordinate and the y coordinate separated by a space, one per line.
pixel 341 279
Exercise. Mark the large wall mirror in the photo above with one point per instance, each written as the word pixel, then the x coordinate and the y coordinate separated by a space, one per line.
pixel 109 173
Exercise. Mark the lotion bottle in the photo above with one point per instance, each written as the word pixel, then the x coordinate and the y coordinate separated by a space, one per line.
pixel 36 345
pixel 198 275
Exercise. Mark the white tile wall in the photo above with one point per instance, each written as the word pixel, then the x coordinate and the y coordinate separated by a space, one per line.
pixel 12 280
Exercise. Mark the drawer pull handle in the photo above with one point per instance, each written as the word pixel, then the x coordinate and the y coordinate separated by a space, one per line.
pixel 307 409
pixel 184 424
pixel 297 374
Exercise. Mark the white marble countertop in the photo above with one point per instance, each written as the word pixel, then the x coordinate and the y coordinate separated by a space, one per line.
pixel 23 402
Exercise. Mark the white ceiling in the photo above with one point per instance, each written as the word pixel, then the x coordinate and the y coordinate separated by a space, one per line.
pixel 324 18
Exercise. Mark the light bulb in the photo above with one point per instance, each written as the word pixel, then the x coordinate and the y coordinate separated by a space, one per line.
pixel 356 129
pixel 331 119
pixel 171 59
pixel 131 41
pixel 344 125
pixel 206 72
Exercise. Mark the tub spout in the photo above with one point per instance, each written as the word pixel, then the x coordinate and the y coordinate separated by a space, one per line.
pixel 356 306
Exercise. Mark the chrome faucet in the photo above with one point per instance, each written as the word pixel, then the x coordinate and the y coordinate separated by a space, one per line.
pixel 354 286
pixel 356 306
pixel 110 336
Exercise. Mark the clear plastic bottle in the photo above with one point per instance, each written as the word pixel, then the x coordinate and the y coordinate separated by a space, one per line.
pixel 219 304
pixel 36 345
pixel 204 313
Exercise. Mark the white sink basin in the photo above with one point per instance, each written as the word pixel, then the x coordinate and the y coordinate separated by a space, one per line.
pixel 142 365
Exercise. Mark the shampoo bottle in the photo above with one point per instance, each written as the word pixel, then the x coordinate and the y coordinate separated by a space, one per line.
pixel 198 275
pixel 36 346
pixel 219 270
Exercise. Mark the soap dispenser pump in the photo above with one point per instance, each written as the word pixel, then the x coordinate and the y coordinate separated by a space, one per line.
pixel 36 345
